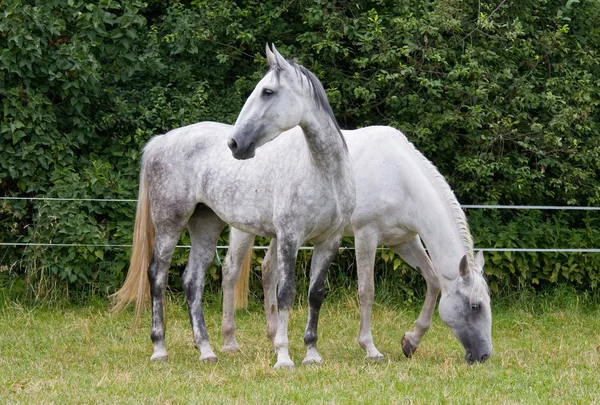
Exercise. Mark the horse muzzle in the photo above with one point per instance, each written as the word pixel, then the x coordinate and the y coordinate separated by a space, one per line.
pixel 477 356
pixel 242 141
pixel 241 152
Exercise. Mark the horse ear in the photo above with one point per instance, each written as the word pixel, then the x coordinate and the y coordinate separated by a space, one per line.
pixel 270 56
pixel 463 267
pixel 479 260
pixel 280 60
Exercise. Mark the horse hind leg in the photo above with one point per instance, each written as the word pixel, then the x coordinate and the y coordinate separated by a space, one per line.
pixel 239 244
pixel 165 241
pixel 366 248
pixel 413 253
pixel 322 257
pixel 269 281
pixel 204 227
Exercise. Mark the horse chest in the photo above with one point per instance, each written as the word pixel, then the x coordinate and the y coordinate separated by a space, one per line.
pixel 313 214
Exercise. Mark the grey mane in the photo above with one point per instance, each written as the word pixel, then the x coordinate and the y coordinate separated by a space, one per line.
pixel 318 90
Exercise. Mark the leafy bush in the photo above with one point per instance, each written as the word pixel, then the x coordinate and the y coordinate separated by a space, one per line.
pixel 502 97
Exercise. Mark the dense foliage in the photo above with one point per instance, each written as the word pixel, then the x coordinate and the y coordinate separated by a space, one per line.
pixel 502 96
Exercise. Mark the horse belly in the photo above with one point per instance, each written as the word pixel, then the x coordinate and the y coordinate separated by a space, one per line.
pixel 396 236
pixel 249 218
pixel 379 211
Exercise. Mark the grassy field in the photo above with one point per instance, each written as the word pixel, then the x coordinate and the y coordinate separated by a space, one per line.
pixel 546 350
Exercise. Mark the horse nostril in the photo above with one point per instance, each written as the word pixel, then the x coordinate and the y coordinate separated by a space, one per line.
pixel 484 358
pixel 232 144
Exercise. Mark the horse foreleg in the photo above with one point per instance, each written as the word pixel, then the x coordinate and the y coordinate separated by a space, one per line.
pixel 239 245
pixel 322 257
pixel 287 252
pixel 204 228
pixel 366 247
pixel 414 254
pixel 269 281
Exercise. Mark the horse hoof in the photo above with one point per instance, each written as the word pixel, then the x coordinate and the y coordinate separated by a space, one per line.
pixel 284 365
pixel 230 348
pixel 375 357
pixel 408 347
pixel 209 358
pixel 159 356
pixel 312 360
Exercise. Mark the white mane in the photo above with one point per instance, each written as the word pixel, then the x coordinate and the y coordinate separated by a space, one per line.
pixel 479 284
pixel 453 205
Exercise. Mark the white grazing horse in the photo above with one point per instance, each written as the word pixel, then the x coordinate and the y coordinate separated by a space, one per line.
pixel 400 196
pixel 299 187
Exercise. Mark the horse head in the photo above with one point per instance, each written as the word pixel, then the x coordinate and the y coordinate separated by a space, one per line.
pixel 465 308
pixel 275 105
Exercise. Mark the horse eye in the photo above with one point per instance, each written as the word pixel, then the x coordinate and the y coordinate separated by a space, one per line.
pixel 267 92
pixel 475 307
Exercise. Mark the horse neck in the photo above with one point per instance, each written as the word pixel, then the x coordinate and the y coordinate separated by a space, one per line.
pixel 443 234
pixel 325 142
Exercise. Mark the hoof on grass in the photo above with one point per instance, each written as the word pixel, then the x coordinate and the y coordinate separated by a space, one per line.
pixel 209 358
pixel 408 347
pixel 377 357
pixel 284 365
pixel 161 356
pixel 312 360
pixel 230 348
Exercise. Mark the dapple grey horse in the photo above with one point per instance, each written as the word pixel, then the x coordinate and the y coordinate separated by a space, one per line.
pixel 298 187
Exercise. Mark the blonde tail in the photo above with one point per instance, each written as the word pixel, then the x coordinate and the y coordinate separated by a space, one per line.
pixel 137 287
pixel 240 295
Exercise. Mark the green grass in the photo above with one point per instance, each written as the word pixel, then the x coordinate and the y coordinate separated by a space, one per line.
pixel 547 350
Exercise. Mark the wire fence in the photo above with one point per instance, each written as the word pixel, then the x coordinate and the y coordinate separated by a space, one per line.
pixel 465 206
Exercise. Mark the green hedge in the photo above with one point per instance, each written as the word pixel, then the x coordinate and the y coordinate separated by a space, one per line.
pixel 503 97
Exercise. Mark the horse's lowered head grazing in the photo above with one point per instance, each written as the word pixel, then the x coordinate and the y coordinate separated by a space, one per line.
pixel 465 308
pixel 275 105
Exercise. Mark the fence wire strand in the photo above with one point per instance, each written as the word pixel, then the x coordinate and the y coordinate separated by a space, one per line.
pixel 220 247
pixel 465 206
